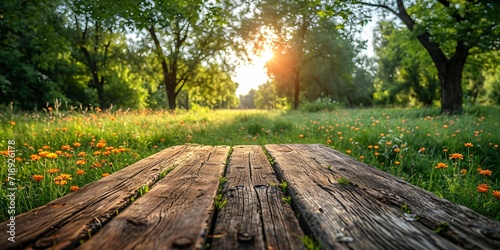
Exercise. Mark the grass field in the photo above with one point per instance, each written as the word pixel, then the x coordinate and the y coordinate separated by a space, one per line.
pixel 52 153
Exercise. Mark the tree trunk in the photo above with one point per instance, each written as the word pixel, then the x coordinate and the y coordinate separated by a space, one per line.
pixel 169 82
pixel 296 83
pixel 450 78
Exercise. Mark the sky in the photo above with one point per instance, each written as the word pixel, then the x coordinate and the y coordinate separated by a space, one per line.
pixel 251 76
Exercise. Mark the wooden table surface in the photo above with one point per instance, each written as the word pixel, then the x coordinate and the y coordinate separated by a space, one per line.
pixel 329 198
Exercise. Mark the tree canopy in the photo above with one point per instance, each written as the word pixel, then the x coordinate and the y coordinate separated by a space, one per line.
pixel 170 54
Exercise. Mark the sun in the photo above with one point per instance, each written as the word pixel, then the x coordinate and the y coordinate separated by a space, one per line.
pixel 252 75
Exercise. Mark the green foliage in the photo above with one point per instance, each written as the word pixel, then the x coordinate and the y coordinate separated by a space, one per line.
pixel 343 181
pixel 321 104
pixel 310 243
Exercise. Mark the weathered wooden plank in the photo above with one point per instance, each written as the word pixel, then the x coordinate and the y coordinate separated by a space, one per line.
pixel 69 219
pixel 367 211
pixel 176 213
pixel 255 216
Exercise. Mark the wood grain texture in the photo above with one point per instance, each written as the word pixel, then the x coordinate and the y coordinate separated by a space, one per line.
pixel 369 208
pixel 255 216
pixel 73 217
pixel 175 214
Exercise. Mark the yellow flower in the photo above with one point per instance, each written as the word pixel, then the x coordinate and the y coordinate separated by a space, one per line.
pixel 65 177
pixel 51 155
pixel 43 153
pixel 441 165
pixel 348 151
pixel 483 188
pixel 397 162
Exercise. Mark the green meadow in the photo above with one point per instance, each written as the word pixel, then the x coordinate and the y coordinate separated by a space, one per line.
pixel 57 152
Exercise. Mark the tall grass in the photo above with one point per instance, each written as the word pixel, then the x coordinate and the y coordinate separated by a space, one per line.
pixel 59 152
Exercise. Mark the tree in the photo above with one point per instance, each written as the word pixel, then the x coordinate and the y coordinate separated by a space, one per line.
pixel 183 34
pixel 91 28
pixel 448 30
pixel 30 48
pixel 405 68
pixel 212 87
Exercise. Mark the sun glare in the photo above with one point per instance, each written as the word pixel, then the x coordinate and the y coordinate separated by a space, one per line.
pixel 254 74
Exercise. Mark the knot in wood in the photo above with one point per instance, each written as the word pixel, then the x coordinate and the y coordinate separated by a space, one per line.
pixel 245 237
pixel 182 242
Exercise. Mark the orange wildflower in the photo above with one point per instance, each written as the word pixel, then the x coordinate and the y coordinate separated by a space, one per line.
pixel 77 144
pixel 43 153
pixel 422 149
pixel 53 170
pixel 301 136
pixel 66 147
pixel 82 154
pixel 80 171
pixel 348 151
pixel 13 123
pixel 463 171
pixel 101 144
pixel 38 177
pixel 74 188
pixel 35 157
pixel 457 156
pixel 397 150
pixel 105 174
pixel 46 147
pixel 496 193
pixel 80 162
pixel 468 144
pixel 362 157
pixel 441 165
pixel 485 172
pixel 376 147
pixel 97 152
pixel 483 188
pixel 397 163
